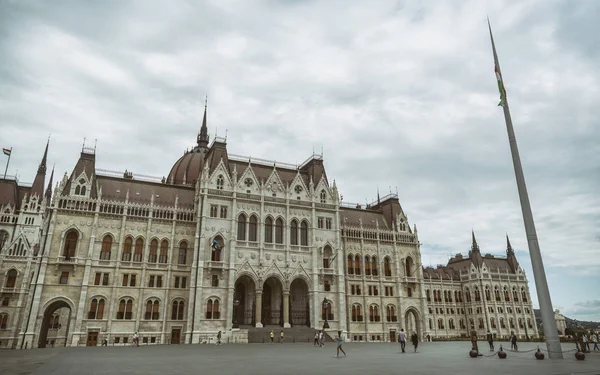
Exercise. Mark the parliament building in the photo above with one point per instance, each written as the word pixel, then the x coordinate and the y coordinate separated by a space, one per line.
pixel 233 244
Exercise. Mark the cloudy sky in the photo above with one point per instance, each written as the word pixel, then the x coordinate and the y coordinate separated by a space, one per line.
pixel 398 94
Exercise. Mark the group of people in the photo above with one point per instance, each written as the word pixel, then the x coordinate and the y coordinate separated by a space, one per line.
pixel 272 336
pixel 590 338
pixel 319 339
pixel 414 338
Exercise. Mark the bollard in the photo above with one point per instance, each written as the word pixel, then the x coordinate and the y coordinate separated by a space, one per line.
pixel 539 355
pixel 473 353
pixel 580 356
pixel 501 353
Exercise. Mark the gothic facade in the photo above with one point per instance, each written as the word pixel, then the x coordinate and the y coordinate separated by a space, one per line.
pixel 223 243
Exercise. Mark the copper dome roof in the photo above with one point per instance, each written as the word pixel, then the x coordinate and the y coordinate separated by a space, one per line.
pixel 188 168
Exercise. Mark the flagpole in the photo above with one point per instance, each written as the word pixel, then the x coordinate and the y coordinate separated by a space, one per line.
pixel 8 162
pixel 539 274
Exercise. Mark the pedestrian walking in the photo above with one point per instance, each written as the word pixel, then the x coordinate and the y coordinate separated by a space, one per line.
pixel 316 340
pixel 322 339
pixel 474 345
pixel 415 340
pixel 402 340
pixel 281 337
pixel 340 342
pixel 490 340
pixel 513 342
pixel 595 341
pixel 219 338
pixel 272 335
pixel 586 343
pixel 136 339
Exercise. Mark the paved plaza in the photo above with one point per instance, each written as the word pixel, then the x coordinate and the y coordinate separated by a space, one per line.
pixel 363 358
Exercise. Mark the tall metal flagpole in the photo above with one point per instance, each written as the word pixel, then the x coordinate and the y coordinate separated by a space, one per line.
pixel 7 162
pixel 539 275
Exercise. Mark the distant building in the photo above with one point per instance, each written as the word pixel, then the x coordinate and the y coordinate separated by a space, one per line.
pixel 482 292
pixel 561 322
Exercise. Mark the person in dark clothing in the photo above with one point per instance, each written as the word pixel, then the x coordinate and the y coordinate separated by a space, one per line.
pixel 415 340
pixel 490 340
pixel 513 342
pixel 402 339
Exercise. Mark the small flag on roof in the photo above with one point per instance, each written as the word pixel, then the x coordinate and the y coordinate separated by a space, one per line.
pixel 6 151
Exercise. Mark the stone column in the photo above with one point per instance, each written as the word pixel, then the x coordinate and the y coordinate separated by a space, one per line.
pixel 258 308
pixel 286 309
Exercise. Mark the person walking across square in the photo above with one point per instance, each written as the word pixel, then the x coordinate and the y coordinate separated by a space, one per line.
pixel 415 340
pixel 340 342
pixel 402 339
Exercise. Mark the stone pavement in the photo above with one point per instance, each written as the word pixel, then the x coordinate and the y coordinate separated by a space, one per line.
pixel 363 358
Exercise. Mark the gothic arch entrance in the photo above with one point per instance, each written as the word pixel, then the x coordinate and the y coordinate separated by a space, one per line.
pixel 299 306
pixel 272 302
pixel 244 301
pixel 57 323
pixel 412 322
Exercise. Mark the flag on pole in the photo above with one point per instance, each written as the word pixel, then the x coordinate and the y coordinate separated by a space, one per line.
pixel 6 151
pixel 501 87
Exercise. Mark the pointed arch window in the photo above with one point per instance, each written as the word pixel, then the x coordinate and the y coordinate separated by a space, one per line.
pixel 212 309
pixel 294 233
pixel 357 265
pixel 268 230
pixel 487 293
pixel 477 295
pixel 409 267
pixel 177 310
pixel 3 321
pixel 216 247
pixel 374 313
pixel 523 295
pixel 152 309
pixel 138 255
pixel 70 244
pixel 96 309
pixel 496 294
pixel 515 295
pixel 440 323
pixel 357 315
pixel 506 295
pixel 462 324
pixel 3 238
pixel 387 267
pixel 374 270
pixel 451 324
pixel 468 295
pixel 127 245
pixel 153 251
pixel 11 279
pixel 493 323
pixel 220 182
pixel 106 247
pixel 350 265
pixel 367 265
pixel 125 309
pixel 183 247
pixel 502 323
pixel 391 313
pixel 323 196
pixel 430 323
pixel 327 310
pixel 164 251
pixel 253 229
pixel 241 227
pixel 304 233
pixel 327 255
pixel 279 230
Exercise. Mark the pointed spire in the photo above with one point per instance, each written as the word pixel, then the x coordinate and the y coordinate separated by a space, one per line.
pixel 203 135
pixel 378 199
pixel 509 249
pixel 49 188
pixel 474 246
pixel 42 167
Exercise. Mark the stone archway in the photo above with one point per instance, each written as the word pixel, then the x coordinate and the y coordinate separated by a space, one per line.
pixel 244 297
pixel 299 303
pixel 411 322
pixel 51 321
pixel 272 302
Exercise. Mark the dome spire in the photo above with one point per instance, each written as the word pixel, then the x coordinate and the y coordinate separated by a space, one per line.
pixel 203 135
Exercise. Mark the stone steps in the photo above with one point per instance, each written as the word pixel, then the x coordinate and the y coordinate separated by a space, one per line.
pixel 291 335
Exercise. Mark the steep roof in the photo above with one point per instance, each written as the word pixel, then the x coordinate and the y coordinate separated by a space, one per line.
pixel 353 216
pixel 114 188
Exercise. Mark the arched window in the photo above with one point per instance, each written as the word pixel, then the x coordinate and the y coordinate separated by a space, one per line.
pixel 327 308
pixel 506 295
pixel 241 227
pixel 220 182
pixel 106 247
pixel 468 294
pixel 374 270
pixel 164 251
pixel 391 313
pixel 268 230
pixel 77 190
pixel 3 321
pixel 127 245
pixel 177 310
pixel 496 294
pixel 462 324
pixel 357 265
pixel 253 229
pixel 357 315
pixel 523 293
pixel 294 233
pixel 125 309
pixel 477 295
pixel 217 248
pixel 451 324
pixel 374 313
pixel 515 294
pixel 511 322
pixel 323 196
pixel 96 309
pixel 3 238
pixel 493 323
pixel 138 255
pixel 182 259
pixel 212 309
pixel 304 233
pixel 449 296
pixel 387 267
pixel 487 293
pixel 11 279
pixel 430 323
pixel 152 309
pixel 529 324
pixel 440 323
pixel 521 323
pixel 367 265
pixel 70 244
pixel 153 251
pixel 279 230
pixel 409 266
pixel 350 265
pixel 428 294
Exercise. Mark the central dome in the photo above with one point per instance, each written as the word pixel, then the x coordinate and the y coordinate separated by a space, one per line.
pixel 188 168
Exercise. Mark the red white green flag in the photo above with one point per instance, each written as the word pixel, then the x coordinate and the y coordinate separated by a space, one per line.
pixel 500 87
pixel 6 151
